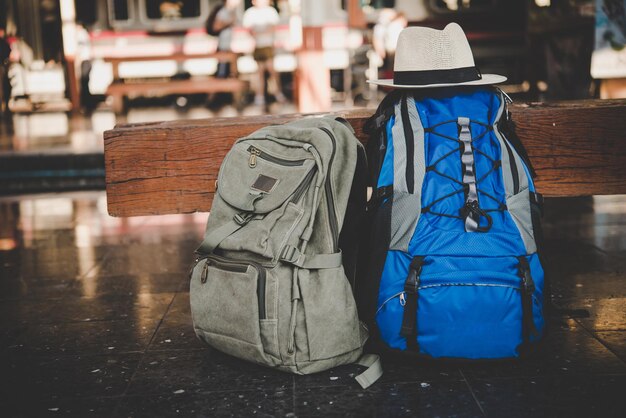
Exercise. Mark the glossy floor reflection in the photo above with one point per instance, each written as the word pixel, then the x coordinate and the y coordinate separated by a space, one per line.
pixel 60 132
pixel 95 321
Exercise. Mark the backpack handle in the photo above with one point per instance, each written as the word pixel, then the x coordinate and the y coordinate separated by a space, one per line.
pixel 343 121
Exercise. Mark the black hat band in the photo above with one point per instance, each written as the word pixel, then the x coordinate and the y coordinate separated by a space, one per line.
pixel 421 78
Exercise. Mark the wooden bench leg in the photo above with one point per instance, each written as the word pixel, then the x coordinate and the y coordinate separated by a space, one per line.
pixel 118 104
pixel 238 100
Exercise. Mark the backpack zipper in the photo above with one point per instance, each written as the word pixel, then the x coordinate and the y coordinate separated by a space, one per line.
pixel 303 186
pixel 402 297
pixel 255 152
pixel 332 216
pixel 239 267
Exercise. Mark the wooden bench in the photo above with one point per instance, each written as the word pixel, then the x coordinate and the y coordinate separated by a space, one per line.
pixel 577 148
pixel 121 88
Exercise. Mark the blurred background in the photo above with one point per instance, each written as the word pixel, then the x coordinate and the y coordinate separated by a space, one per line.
pixel 94 309
pixel 74 68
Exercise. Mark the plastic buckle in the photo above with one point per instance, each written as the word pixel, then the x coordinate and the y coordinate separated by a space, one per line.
pixel 380 120
pixel 243 218
pixel 290 254
pixel 412 283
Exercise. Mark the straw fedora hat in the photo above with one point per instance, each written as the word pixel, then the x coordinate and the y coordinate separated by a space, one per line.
pixel 427 58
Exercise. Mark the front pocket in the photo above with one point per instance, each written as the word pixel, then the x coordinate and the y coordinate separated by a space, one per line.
pixel 256 180
pixel 233 307
pixel 228 298
pixel 466 308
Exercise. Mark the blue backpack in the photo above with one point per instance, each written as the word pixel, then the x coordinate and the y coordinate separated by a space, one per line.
pixel 452 268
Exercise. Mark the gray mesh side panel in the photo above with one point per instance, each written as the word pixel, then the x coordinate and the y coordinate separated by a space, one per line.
pixel 404 216
pixel 406 207
pixel 518 205
pixel 519 208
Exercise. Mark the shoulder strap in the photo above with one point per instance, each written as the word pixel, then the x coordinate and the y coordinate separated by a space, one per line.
pixel 375 128
pixel 344 122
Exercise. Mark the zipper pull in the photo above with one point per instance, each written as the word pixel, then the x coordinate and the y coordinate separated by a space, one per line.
pixel 205 272
pixel 193 266
pixel 402 299
pixel 254 153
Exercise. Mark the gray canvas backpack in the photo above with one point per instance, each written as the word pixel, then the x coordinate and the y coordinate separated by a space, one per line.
pixel 269 284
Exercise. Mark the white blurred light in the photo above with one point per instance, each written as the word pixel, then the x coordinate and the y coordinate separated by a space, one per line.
pixel 452 4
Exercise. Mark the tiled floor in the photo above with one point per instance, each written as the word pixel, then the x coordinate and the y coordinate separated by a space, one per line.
pixel 95 321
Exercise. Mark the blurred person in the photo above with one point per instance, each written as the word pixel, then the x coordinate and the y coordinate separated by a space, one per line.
pixel 50 16
pixel 608 61
pixel 385 37
pixel 171 9
pixel 379 32
pixel 261 19
pixel 220 23
pixel 83 59
pixel 5 82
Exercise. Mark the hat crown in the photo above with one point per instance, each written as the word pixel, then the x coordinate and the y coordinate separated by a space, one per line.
pixel 426 49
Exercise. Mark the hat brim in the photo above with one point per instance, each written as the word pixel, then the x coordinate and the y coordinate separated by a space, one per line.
pixel 486 79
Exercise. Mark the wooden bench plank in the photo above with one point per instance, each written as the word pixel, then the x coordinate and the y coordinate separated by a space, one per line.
pixel 577 148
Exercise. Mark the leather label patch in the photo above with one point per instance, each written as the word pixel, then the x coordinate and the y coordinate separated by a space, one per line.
pixel 264 183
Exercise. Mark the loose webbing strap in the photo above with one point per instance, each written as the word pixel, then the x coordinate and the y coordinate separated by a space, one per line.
pixel 409 319
pixel 374 370
pixel 527 289
pixel 469 176
pixel 293 256
pixel 213 238
pixel 383 117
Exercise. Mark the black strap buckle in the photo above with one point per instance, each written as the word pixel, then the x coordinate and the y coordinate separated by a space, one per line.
pixel 412 283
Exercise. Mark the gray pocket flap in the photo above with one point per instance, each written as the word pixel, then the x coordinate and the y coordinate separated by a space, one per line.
pixel 255 180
